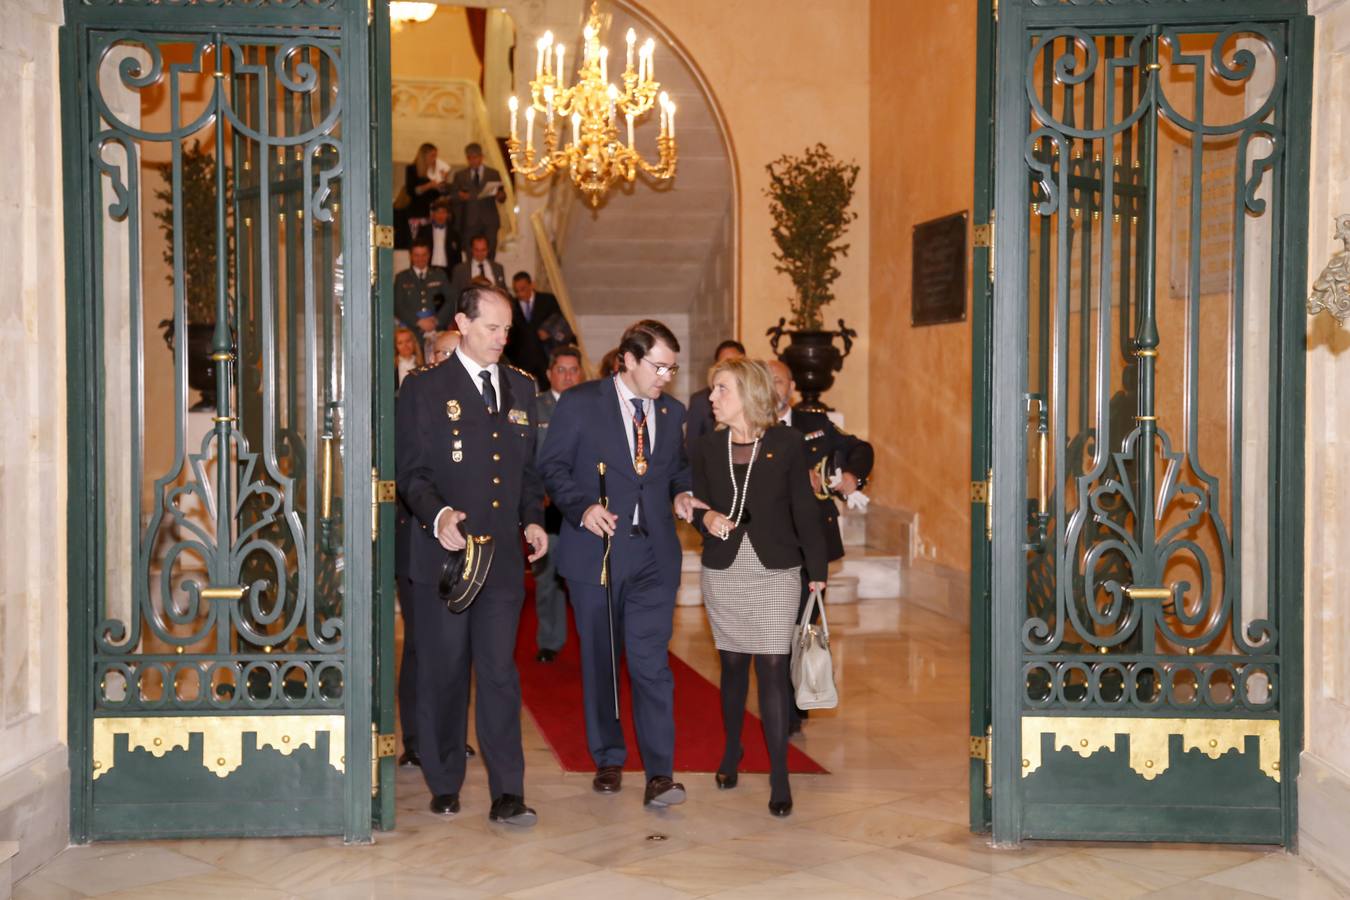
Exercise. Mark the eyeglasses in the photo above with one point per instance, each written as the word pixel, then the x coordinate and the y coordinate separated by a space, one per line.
pixel 663 370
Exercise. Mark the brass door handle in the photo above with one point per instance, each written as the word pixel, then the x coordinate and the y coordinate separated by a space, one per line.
pixel 1149 593
pixel 326 504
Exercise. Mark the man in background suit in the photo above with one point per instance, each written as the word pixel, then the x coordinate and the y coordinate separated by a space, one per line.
pixel 827 448
pixel 700 420
pixel 564 371
pixel 477 269
pixel 629 424
pixel 439 234
pixel 466 465
pixel 536 315
pixel 475 214
pixel 422 293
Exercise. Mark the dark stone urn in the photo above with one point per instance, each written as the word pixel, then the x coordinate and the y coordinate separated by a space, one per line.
pixel 201 370
pixel 813 359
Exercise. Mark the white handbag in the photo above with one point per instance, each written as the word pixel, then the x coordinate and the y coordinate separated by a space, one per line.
pixel 812 669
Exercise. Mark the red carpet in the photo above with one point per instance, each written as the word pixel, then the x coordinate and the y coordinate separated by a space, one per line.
pixel 552 694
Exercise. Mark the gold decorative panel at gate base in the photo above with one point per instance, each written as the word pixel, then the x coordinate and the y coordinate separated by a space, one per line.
pixel 1150 739
pixel 222 737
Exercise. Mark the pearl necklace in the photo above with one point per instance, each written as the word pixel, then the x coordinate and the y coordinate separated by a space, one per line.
pixel 739 493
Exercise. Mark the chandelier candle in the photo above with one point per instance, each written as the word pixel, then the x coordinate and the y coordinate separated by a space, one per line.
pixel 596 156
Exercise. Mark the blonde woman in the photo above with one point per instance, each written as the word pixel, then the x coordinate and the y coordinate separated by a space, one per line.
pixel 408 353
pixel 424 180
pixel 762 528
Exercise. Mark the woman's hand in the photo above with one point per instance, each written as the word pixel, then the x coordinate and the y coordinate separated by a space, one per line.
pixel 717 524
pixel 816 586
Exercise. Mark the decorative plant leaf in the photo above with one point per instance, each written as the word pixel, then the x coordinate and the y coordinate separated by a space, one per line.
pixel 809 196
pixel 199 230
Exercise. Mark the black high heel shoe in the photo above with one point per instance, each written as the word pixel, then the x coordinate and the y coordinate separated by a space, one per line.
pixel 726 782
pixel 781 808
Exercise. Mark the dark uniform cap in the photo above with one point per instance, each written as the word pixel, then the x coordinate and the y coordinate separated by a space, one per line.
pixel 464 572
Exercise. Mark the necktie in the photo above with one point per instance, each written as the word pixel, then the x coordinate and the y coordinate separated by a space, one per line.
pixel 489 393
pixel 641 442
pixel 527 307
pixel 482 269
pixel 476 180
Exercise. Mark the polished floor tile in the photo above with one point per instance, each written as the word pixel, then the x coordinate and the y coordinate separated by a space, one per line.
pixel 890 820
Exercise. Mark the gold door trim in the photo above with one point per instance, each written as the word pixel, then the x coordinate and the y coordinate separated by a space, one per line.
pixel 1150 748
pixel 222 737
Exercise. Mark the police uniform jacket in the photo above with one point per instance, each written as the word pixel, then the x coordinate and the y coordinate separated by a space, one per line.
pixel 451 452
pixel 839 450
pixel 417 297
pixel 544 404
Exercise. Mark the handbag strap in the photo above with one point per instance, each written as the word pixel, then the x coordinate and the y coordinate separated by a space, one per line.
pixel 817 599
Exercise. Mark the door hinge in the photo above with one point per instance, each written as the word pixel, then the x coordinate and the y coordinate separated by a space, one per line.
pixel 385 492
pixel 384 746
pixel 982 748
pixel 979 492
pixel 383 236
pixel 995 10
pixel 983 492
pixel 983 236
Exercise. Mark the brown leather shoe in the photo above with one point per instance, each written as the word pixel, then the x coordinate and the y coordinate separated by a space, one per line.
pixel 663 792
pixel 608 779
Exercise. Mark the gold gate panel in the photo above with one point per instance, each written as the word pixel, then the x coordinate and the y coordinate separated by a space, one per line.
pixel 222 737
pixel 1150 746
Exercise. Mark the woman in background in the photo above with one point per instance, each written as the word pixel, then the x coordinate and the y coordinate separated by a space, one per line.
pixel 408 351
pixel 423 182
pixel 762 527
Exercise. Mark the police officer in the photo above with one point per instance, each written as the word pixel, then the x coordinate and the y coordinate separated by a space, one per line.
pixel 827 449
pixel 420 292
pixel 466 446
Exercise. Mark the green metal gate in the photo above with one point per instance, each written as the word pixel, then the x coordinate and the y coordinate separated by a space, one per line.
pixel 218 187
pixel 1146 407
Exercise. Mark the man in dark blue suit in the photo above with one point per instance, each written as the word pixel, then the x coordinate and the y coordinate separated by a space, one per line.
pixel 466 463
pixel 626 422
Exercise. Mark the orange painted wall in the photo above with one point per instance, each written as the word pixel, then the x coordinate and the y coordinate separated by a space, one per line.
pixel 922 146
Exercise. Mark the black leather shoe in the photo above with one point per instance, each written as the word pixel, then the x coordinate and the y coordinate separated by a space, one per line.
pixel 663 792
pixel 546 656
pixel 726 782
pixel 410 758
pixel 509 809
pixel 445 804
pixel 608 780
pixel 780 808
pixel 469 752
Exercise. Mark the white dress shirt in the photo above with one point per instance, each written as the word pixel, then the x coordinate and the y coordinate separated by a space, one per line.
pixel 473 369
pixel 439 237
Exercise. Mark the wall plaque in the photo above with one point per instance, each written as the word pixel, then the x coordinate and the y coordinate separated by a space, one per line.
pixel 938 291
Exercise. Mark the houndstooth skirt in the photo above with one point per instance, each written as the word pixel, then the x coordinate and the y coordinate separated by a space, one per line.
pixel 752 609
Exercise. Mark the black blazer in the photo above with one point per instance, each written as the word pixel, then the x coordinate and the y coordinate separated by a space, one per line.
pixel 784 522
pixel 523 346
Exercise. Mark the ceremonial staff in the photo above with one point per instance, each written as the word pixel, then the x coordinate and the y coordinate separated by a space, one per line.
pixel 609 594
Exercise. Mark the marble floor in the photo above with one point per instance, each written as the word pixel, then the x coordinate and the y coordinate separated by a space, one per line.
pixel 888 822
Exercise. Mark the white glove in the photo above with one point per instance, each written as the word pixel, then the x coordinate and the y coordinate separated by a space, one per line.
pixel 855 500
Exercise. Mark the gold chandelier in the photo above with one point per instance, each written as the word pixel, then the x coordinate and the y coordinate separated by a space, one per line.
pixel 595 155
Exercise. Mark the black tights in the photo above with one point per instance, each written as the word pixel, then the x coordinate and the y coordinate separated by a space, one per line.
pixel 771 671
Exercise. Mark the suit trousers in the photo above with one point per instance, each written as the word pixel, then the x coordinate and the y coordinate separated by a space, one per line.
pixel 448 645
pixel 549 603
pixel 407 670
pixel 644 610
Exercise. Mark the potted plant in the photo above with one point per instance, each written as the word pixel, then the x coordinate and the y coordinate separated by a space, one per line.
pixel 809 197
pixel 198 195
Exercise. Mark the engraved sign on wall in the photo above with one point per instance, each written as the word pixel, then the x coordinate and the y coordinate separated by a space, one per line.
pixel 938 287
pixel 1216 217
